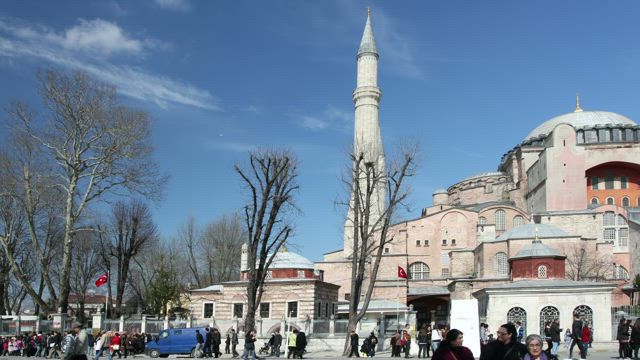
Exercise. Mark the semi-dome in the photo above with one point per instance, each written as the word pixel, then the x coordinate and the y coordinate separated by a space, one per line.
pixel 531 231
pixel 580 119
pixel 289 260
pixel 537 250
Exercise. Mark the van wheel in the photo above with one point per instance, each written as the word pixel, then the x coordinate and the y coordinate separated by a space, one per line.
pixel 154 353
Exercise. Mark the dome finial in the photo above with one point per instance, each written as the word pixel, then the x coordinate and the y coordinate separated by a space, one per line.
pixel 284 248
pixel 368 11
pixel 536 239
pixel 578 108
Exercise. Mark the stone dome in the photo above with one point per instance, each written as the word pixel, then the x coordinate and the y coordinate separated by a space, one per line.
pixel 289 260
pixel 537 250
pixel 530 231
pixel 580 119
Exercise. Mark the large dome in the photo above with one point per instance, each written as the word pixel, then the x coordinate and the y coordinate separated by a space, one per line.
pixel 580 119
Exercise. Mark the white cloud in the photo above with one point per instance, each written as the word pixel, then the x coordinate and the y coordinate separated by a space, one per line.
pixel 313 123
pixel 78 48
pixel 331 118
pixel 179 5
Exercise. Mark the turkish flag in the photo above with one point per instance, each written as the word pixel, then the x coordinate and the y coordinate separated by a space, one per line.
pixel 102 280
pixel 401 273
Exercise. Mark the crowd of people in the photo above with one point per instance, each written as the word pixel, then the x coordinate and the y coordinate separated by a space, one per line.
pixel 209 344
pixel 73 343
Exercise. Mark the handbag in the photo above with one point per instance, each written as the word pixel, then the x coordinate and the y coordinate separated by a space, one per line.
pixel 115 347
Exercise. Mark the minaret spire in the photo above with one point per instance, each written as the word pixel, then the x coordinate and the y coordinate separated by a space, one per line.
pixel 578 108
pixel 367 137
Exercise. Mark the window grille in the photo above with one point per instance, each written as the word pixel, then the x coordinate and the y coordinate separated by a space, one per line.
pixel 595 201
pixel 625 201
pixel 517 314
pixel 585 313
pixel 624 182
pixel 418 271
pixel 499 217
pixel 265 310
pixel 608 182
pixel 445 272
pixel 269 275
pixel 500 265
pixel 542 272
pixel 594 183
pixel 548 314
pixel 611 201
pixel 482 220
pixel 518 220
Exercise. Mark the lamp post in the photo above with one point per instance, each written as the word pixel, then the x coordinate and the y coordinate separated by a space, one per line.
pixel 286 343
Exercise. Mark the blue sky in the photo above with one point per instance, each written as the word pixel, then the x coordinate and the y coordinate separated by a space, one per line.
pixel 468 80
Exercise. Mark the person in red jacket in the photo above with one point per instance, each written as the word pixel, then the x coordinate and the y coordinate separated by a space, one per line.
pixel 115 345
pixel 586 337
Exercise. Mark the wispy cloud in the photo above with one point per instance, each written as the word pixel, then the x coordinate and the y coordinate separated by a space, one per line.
pixel 232 146
pixel 91 46
pixel 331 118
pixel 398 48
pixel 176 5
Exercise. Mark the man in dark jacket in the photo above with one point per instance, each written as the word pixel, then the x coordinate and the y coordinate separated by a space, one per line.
pixel 207 342
pixel 555 332
pixel 277 342
pixel 199 344
pixel 576 334
pixel 506 346
pixel 301 344
pixel 354 344
pixel 216 340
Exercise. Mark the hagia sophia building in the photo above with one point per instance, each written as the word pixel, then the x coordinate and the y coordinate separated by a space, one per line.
pixel 552 232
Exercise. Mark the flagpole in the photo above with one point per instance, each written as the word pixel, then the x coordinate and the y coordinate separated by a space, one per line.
pixel 397 303
pixel 106 301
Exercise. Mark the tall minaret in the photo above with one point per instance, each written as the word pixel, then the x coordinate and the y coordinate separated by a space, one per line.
pixel 367 139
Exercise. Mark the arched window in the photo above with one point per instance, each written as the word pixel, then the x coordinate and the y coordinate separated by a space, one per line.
pixel 418 271
pixel 625 201
pixel 518 220
pixel 615 229
pixel 611 201
pixel 620 272
pixel 500 265
pixel 595 201
pixel 517 314
pixel 548 314
pixel 482 220
pixel 500 215
pixel 542 272
pixel 586 314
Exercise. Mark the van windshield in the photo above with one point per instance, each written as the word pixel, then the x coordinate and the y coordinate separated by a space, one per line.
pixel 163 335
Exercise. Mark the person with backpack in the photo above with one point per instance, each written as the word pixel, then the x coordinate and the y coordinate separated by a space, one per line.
pixel 423 342
pixel 373 343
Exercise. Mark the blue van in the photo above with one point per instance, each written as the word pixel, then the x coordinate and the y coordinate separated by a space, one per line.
pixel 174 341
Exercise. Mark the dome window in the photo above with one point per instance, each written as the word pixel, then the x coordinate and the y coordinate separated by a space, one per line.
pixel 542 272
pixel 518 220
pixel 499 217
pixel 625 201
pixel 611 201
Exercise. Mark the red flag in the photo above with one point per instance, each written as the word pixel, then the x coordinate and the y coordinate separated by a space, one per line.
pixel 102 280
pixel 401 273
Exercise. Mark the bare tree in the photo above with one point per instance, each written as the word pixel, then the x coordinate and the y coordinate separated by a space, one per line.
pixel 132 228
pixel 86 266
pixel 189 237
pixel 271 181
pixel 583 264
pixel 94 147
pixel 370 225
pixel 221 246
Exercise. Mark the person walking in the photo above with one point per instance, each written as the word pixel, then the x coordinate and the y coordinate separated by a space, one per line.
pixel 234 343
pixel 506 346
pixel 250 346
pixel 622 335
pixel 635 338
pixel 554 333
pixel 77 348
pixel 394 342
pixel 277 343
pixel 534 348
pixel 55 341
pixel 207 342
pixel 227 344
pixel 291 343
pixel 301 344
pixel 116 343
pixel 407 343
pixel 586 339
pixel 354 339
pixel 436 337
pixel 216 340
pixel 576 336
pixel 451 347
pixel 423 342
pixel 373 343
pixel 105 342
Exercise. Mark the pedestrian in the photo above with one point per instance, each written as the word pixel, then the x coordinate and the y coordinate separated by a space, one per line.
pixel 77 347
pixel 105 342
pixel 394 344
pixel 554 333
pixel 436 337
pixel 216 339
pixel 635 338
pixel 586 339
pixel 506 346
pixel 520 331
pixel 250 346
pixel 293 337
pixel 407 343
pixel 576 336
pixel 354 339
pixel 115 345
pixel 301 344
pixel 567 338
pixel 423 342
pixel 55 341
pixel 199 344
pixel 207 342
pixel 227 344
pixel 373 343
pixel 97 345
pixel 623 338
pixel 234 343
pixel 534 348
pixel 277 343
pixel 451 347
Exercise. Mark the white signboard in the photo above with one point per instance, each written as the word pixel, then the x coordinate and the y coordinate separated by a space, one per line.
pixel 464 317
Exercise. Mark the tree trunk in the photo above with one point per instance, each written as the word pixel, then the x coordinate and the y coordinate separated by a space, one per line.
pixel 65 287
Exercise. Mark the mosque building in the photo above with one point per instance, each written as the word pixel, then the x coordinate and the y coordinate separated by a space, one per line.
pixel 550 233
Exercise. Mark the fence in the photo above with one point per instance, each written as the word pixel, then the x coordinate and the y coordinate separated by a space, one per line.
pixel 154 327
pixel 628 312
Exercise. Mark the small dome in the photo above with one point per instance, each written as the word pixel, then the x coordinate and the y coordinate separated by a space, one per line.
pixel 289 260
pixel 537 250
pixel 580 119
pixel 530 231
